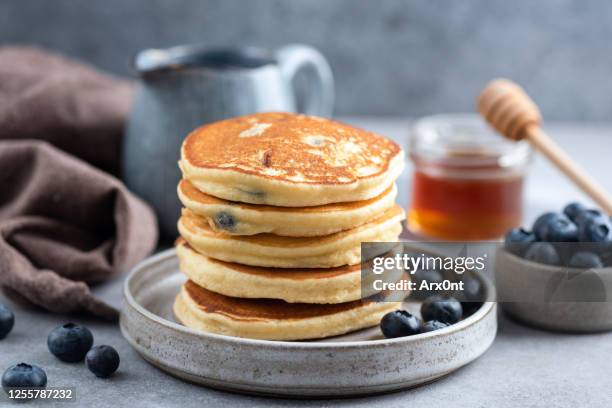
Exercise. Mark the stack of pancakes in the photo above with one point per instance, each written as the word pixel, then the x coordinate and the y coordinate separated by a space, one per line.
pixel 276 208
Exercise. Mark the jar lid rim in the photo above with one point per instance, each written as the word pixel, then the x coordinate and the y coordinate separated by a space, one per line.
pixel 464 140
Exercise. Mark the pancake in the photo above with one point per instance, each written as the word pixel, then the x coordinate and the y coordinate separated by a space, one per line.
pixel 289 160
pixel 340 248
pixel 330 285
pixel 268 319
pixel 237 218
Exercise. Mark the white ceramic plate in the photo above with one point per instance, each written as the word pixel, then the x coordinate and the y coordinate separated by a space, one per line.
pixel 355 364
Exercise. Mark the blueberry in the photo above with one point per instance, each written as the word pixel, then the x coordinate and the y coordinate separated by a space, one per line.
pixel 446 310
pixel 429 276
pixel 572 210
pixel 540 222
pixel 70 342
pixel 433 325
pixel 606 258
pixel 471 297
pixel 558 229
pixel 399 323
pixel 23 375
pixel 584 259
pixel 587 215
pixel 103 361
pixel 472 288
pixel 225 220
pixel 595 229
pixel 517 240
pixel 7 321
pixel 542 252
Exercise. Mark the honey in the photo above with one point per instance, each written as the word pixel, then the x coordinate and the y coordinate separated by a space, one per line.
pixel 467 181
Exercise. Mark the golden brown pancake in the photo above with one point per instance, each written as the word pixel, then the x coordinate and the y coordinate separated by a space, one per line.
pixel 329 285
pixel 269 319
pixel 341 248
pixel 289 160
pixel 237 218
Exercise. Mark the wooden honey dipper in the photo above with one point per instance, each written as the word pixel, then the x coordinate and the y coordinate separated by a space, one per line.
pixel 508 108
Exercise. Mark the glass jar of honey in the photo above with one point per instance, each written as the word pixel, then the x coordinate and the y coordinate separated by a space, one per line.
pixel 467 181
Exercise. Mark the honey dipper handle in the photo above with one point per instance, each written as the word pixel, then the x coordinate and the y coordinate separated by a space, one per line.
pixel 543 143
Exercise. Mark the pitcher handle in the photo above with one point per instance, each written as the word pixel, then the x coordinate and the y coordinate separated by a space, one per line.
pixel 319 99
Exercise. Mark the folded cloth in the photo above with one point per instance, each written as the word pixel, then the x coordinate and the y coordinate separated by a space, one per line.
pixel 65 224
pixel 71 105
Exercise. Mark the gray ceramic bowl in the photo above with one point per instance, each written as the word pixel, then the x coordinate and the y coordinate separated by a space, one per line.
pixel 554 298
pixel 355 364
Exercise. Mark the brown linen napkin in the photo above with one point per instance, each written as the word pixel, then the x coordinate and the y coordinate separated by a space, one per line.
pixel 69 104
pixel 65 224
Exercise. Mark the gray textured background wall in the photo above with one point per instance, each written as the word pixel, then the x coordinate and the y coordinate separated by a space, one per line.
pixel 389 56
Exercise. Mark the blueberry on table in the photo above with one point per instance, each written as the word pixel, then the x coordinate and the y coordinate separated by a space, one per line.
pixel 584 259
pixel 595 229
pixel 70 342
pixel 103 361
pixel 23 375
pixel 433 325
pixel 558 229
pixel 445 310
pixel 540 222
pixel 572 210
pixel 7 321
pixel 517 240
pixel 542 252
pixel 399 323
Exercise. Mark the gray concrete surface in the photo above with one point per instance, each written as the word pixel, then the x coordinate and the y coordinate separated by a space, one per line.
pixel 390 56
pixel 524 368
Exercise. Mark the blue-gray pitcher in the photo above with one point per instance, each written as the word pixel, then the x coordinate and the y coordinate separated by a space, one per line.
pixel 184 87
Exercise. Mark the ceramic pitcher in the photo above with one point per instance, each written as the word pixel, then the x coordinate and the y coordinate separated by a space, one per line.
pixel 181 88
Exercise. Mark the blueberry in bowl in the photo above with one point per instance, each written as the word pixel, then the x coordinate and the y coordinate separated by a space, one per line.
pixel 24 375
pixel 399 323
pixel 585 260
pixel 7 321
pixel 595 229
pixel 445 310
pixel 103 361
pixel 576 224
pixel 572 210
pixel 70 342
pixel 606 257
pixel 556 228
pixel 588 214
pixel 544 253
pixel 517 240
pixel 540 223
